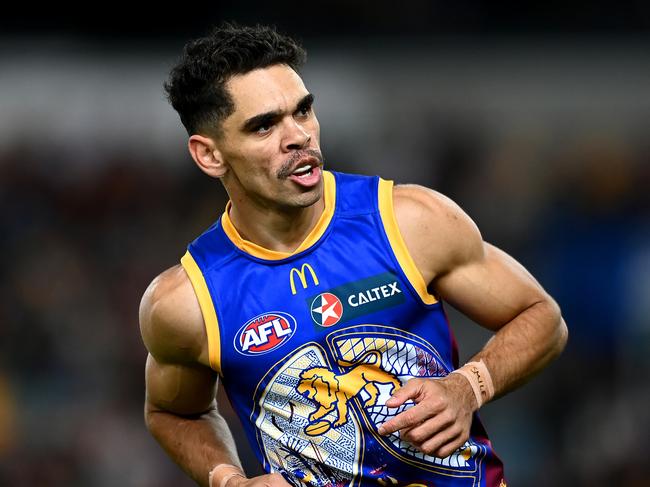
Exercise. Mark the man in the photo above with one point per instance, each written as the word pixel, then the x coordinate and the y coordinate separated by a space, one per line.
pixel 317 299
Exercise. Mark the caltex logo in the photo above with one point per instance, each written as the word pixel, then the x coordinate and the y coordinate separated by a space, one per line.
pixel 264 333
pixel 326 309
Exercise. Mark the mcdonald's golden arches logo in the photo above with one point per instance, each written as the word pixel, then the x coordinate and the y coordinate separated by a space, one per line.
pixel 302 275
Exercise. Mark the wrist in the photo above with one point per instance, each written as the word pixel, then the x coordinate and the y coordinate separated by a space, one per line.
pixel 224 474
pixel 232 479
pixel 479 378
pixel 464 391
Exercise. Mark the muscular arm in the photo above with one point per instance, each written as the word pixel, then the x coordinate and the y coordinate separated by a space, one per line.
pixel 180 406
pixel 491 288
pixel 484 283
pixel 498 293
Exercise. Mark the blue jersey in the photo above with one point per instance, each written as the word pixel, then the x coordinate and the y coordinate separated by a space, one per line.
pixel 311 344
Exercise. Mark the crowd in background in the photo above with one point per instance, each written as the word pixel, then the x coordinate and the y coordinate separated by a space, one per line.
pixel 81 241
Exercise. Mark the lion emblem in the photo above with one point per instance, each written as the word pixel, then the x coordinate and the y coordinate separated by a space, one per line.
pixel 332 392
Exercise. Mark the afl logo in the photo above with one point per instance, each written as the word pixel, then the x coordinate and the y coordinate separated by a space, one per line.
pixel 326 309
pixel 264 333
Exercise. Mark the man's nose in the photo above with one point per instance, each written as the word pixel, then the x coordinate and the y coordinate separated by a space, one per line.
pixel 297 137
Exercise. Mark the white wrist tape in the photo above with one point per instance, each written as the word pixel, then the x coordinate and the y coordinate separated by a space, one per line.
pixel 480 379
pixel 233 472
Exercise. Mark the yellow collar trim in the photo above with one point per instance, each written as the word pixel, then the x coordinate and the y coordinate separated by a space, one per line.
pixel 316 233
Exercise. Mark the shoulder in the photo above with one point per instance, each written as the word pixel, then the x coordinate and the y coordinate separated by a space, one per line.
pixel 171 322
pixel 439 235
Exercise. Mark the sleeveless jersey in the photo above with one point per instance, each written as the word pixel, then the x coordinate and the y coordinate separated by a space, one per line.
pixel 310 345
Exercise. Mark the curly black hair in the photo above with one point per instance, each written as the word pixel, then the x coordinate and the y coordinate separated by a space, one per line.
pixel 196 85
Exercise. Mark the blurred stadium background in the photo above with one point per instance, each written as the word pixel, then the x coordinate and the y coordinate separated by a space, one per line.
pixel 535 122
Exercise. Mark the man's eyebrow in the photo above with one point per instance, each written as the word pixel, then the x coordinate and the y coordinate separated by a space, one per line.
pixel 260 120
pixel 251 124
pixel 306 101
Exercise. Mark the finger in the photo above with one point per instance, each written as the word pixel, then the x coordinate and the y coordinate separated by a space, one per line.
pixel 444 443
pixel 274 480
pixel 452 446
pixel 409 418
pixel 428 429
pixel 410 390
pixel 278 480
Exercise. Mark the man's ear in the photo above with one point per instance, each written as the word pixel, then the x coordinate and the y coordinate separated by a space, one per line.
pixel 206 155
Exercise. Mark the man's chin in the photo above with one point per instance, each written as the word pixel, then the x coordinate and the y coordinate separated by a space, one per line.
pixel 307 197
pixel 309 200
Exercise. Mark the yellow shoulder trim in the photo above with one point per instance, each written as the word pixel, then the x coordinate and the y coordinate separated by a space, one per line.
pixel 404 258
pixel 316 233
pixel 207 309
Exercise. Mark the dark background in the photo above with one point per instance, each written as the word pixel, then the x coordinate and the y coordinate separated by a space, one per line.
pixel 534 118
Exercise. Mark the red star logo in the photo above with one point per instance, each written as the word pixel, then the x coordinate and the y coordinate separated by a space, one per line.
pixel 326 309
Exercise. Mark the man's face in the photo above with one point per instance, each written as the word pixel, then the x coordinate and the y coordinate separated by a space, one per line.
pixel 270 143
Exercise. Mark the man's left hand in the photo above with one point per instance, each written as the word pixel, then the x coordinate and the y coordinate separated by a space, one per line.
pixel 440 421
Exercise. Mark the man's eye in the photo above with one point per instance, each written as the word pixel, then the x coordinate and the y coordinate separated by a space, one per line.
pixel 304 111
pixel 262 129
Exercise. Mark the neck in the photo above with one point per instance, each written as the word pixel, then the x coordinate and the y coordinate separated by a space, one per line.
pixel 280 230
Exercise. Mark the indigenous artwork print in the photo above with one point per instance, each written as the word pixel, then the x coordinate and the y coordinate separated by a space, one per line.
pixel 318 412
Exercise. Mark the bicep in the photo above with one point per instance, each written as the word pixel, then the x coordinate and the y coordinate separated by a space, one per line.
pixel 183 389
pixel 478 279
pixel 491 289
